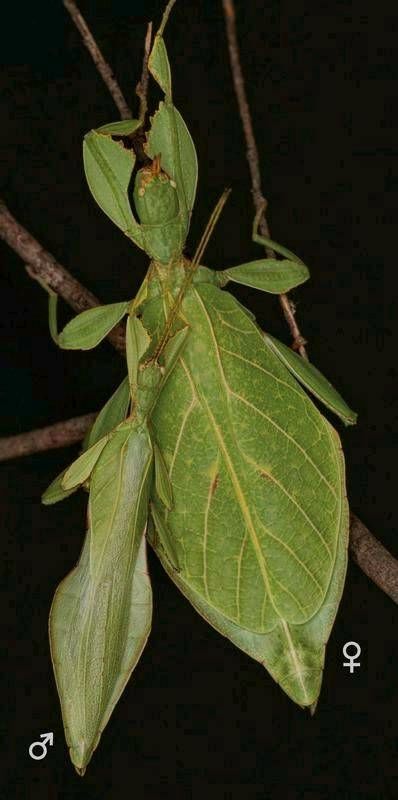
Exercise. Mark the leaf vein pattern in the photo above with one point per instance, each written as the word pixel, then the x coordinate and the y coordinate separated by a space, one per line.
pixel 238 490
pixel 93 586
pixel 234 478
pixel 295 558
pixel 299 393
pixel 286 434
pixel 290 497
pixel 238 580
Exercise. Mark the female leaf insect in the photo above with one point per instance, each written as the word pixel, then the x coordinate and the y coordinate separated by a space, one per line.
pixel 210 449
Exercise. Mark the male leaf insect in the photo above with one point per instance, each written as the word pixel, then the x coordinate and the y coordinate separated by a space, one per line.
pixel 211 449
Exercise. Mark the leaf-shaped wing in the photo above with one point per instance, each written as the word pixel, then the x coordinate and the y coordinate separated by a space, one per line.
pixel 293 654
pixel 255 469
pixel 101 613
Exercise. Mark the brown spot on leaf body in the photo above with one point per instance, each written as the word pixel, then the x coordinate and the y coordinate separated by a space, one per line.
pixel 214 484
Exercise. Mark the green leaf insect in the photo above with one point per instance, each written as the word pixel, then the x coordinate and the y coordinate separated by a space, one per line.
pixel 210 449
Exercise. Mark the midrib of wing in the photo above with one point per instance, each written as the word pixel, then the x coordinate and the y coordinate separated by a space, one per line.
pixel 238 489
pixel 228 462
pixel 187 414
pixel 109 584
pixel 284 433
pixel 297 664
pixel 108 523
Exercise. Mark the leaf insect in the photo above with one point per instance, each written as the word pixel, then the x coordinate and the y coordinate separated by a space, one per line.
pixel 211 449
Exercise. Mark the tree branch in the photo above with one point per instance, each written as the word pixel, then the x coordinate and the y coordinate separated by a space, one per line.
pixel 102 65
pixel 259 200
pixel 61 434
pixel 370 555
pixel 43 267
pixel 373 559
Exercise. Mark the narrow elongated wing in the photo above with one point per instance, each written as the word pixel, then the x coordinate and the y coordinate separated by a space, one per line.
pixel 81 469
pixel 101 613
pixel 114 411
pixel 256 471
pixel 112 414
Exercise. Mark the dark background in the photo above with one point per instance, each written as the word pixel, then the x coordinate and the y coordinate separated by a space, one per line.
pixel 199 715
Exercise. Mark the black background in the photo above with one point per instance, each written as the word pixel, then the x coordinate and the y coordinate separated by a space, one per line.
pixel 199 716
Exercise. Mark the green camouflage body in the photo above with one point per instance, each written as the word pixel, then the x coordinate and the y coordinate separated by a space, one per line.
pixel 157 206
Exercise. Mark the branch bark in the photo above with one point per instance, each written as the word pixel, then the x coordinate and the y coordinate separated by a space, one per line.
pixel 373 558
pixel 61 434
pixel 370 555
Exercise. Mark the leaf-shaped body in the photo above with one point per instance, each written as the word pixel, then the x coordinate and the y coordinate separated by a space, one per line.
pixel 293 654
pixel 101 613
pixel 256 471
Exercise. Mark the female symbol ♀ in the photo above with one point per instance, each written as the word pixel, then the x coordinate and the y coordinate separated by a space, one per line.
pixel 351 663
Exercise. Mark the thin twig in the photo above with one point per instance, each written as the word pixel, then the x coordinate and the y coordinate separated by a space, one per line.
pixel 102 65
pixel 370 555
pixel 141 89
pixel 165 17
pixel 61 434
pixel 259 200
pixel 42 266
